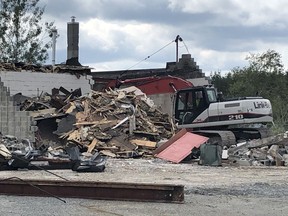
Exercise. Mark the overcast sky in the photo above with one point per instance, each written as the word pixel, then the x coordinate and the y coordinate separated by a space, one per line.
pixel 219 34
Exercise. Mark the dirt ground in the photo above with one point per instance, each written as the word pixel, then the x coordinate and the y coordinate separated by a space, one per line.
pixel 225 190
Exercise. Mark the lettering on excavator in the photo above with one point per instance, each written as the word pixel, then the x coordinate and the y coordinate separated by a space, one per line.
pixel 261 105
pixel 236 117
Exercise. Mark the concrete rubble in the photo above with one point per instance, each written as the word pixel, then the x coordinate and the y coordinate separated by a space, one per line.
pixel 270 151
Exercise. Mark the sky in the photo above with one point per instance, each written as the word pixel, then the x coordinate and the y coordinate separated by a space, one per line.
pixel 121 34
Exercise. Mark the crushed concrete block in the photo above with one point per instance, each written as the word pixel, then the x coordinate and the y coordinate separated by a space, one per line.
pixel 259 154
pixel 257 163
pixel 266 162
pixel 244 162
pixel 225 154
pixel 273 151
pixel 285 159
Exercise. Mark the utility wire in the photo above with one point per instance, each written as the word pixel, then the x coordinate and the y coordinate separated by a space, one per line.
pixel 150 55
pixel 185 46
pixel 154 54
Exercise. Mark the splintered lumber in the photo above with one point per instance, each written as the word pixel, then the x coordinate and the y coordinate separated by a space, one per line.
pixel 108 117
pixel 92 145
pixel 112 148
pixel 96 123
pixel 71 108
pixel 145 143
pixel 122 143
pixel 108 153
pixel 146 133
pixel 74 136
pixel 80 117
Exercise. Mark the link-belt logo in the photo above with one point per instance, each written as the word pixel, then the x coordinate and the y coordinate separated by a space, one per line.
pixel 261 104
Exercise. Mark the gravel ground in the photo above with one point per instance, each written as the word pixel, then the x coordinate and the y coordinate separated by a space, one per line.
pixel 226 190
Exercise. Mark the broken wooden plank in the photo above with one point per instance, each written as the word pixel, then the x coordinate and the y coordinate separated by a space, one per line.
pixel 92 145
pixel 80 117
pixel 108 153
pixel 71 108
pixel 121 142
pixel 75 135
pixel 97 123
pixel 145 133
pixel 109 148
pixel 146 143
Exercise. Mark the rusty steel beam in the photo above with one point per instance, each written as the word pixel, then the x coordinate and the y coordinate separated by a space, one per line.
pixel 94 190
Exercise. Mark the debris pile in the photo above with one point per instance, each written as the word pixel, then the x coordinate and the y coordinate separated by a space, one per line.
pixel 267 151
pixel 120 124
pixel 115 123
pixel 21 154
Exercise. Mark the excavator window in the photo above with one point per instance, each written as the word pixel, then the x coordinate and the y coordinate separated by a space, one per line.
pixel 212 97
pixel 191 103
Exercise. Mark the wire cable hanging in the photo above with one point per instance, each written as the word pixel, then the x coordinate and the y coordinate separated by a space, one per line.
pixel 150 55
pixel 185 46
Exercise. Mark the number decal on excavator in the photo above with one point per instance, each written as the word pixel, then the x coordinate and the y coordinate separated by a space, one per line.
pixel 235 117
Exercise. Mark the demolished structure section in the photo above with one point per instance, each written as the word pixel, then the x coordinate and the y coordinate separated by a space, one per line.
pixel 12 120
pixel 33 84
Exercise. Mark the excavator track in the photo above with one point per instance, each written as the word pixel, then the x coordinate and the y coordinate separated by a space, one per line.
pixel 224 138
pixel 232 136
pixel 250 133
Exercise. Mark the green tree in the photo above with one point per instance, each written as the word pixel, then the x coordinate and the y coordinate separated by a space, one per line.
pixel 21 32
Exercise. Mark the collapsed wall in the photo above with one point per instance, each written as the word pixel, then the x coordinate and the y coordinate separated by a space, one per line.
pixel 32 84
pixel 13 121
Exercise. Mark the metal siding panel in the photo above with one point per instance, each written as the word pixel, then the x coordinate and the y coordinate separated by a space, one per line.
pixel 182 147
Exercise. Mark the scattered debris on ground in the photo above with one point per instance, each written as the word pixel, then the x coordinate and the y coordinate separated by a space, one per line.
pixel 267 151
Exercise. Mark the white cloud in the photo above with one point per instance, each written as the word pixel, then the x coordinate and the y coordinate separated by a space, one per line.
pixel 248 13
pixel 116 34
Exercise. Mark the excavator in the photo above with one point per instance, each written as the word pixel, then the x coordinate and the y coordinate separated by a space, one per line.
pixel 202 110
pixel 229 121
